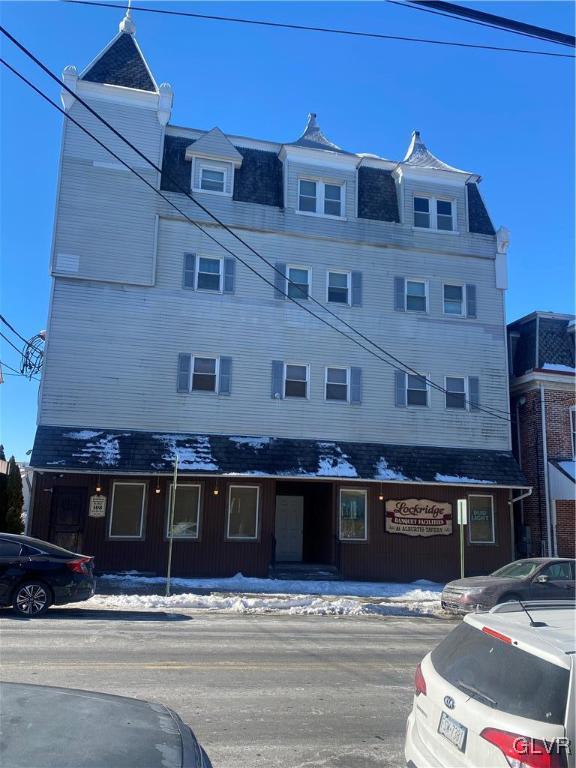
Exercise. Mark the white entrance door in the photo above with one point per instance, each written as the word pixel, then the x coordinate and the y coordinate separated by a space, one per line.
pixel 289 528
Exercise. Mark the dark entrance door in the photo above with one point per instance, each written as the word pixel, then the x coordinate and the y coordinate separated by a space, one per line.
pixel 68 514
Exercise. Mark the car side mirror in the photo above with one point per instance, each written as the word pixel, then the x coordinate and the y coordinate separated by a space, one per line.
pixel 543 579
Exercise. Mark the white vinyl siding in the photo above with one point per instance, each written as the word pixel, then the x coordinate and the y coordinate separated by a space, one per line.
pixel 186 521
pixel 243 512
pixel 481 520
pixel 353 515
pixel 127 511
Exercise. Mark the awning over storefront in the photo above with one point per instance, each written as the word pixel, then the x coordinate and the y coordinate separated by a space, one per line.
pixel 75 449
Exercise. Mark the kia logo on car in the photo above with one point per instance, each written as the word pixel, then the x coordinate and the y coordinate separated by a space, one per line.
pixel 449 701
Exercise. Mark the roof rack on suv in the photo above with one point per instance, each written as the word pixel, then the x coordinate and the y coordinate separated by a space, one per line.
pixel 533 605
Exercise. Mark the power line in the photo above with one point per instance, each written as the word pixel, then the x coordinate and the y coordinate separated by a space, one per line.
pixel 3 319
pixel 11 344
pixel 15 372
pixel 329 30
pixel 501 22
pixel 215 218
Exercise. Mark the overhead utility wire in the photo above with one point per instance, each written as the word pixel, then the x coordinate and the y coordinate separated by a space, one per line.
pixel 226 228
pixel 405 367
pixel 502 22
pixel 207 234
pixel 15 372
pixel 456 17
pixel 11 344
pixel 301 27
pixel 3 319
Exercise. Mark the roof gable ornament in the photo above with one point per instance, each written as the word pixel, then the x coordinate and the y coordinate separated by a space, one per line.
pixel 313 137
pixel 127 25
pixel 419 156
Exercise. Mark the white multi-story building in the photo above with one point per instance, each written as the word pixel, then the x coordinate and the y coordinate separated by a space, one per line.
pixel 182 324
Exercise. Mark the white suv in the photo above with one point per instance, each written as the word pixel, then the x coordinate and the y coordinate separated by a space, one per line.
pixel 498 692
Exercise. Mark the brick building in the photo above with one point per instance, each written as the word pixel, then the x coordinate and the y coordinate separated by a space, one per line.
pixel 543 406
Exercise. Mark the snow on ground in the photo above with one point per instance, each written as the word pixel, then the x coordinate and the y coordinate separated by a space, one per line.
pixel 240 594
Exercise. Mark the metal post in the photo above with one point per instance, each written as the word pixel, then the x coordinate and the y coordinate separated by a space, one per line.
pixel 461 551
pixel 171 525
pixel 462 521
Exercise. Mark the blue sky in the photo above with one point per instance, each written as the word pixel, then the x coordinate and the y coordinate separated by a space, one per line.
pixel 509 117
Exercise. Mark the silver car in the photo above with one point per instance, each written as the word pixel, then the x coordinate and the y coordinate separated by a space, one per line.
pixel 537 578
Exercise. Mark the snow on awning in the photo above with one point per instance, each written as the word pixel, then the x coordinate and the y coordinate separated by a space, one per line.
pixel 133 452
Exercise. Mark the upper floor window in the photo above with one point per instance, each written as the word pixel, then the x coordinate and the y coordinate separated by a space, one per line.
pixel 337 384
pixel 416 390
pixel 212 180
pixel 204 374
pixel 339 287
pixel 431 213
pixel 456 392
pixel 296 380
pixel 454 300
pixel 298 282
pixel 320 197
pixel 209 275
pixel 416 296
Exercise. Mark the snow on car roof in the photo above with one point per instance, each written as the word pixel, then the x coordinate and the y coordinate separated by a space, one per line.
pixel 555 641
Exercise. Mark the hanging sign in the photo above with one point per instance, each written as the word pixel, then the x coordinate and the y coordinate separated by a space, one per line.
pixel 418 517
pixel 97 507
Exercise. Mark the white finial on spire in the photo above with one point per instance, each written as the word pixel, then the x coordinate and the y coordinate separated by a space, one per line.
pixel 127 25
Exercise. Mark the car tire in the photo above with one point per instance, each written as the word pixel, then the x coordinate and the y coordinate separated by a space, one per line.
pixel 508 598
pixel 31 599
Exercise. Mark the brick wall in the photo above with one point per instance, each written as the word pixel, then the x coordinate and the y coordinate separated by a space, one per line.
pixel 528 449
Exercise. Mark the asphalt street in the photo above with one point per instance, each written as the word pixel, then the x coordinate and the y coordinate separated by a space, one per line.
pixel 265 691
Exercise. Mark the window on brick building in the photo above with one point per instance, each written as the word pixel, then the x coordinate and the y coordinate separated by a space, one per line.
pixel 573 428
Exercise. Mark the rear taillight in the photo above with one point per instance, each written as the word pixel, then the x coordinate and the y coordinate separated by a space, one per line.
pixel 419 682
pixel 80 565
pixel 524 752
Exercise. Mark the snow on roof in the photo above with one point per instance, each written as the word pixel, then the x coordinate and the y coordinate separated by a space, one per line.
pixel 558 368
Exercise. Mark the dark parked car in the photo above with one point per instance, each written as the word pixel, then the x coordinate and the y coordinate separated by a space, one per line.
pixel 35 575
pixel 47 727
pixel 537 578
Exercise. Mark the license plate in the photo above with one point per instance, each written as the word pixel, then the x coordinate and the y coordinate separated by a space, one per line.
pixel 454 731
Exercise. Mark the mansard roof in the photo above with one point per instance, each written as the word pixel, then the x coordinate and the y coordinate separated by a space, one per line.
pixel 214 144
pixel 121 63
pixel 544 341
pixel 313 138
pixel 418 155
pixel 123 451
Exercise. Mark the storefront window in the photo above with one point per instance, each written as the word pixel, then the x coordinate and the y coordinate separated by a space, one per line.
pixel 243 512
pixel 481 520
pixel 186 522
pixel 127 511
pixel 353 515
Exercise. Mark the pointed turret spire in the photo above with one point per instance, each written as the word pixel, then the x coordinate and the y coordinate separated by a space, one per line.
pixel 419 155
pixel 127 25
pixel 314 138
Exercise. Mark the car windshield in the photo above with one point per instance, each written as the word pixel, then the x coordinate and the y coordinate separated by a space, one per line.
pixel 518 570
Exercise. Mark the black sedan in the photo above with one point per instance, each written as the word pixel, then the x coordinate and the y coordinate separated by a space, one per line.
pixel 35 575
pixel 46 727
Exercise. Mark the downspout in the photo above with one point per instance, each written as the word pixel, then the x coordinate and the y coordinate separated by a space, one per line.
pixel 545 468
pixel 511 503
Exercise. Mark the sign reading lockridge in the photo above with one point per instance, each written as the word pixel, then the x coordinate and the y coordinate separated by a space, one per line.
pixel 418 517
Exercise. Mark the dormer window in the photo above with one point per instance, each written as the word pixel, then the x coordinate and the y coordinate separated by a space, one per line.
pixel 212 180
pixel 432 213
pixel 212 176
pixel 320 198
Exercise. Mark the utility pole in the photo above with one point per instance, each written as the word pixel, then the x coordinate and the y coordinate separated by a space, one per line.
pixel 462 522
pixel 171 524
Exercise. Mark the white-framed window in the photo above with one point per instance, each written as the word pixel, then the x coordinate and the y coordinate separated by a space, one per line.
pixel 321 198
pixel 298 282
pixel 456 392
pixel 127 511
pixel 243 512
pixel 209 274
pixel 454 300
pixel 353 514
pixel 481 520
pixel 204 374
pixel 416 295
pixel 573 428
pixel 337 385
pixel 296 378
pixel 338 287
pixel 186 522
pixel 434 213
pixel 417 390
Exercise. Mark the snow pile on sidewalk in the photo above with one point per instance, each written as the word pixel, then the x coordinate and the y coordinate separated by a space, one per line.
pixel 240 594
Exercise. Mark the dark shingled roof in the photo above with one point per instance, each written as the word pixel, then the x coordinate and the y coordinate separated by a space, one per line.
pixel 478 218
pixel 547 337
pixel 123 451
pixel 257 180
pixel 121 64
pixel 377 197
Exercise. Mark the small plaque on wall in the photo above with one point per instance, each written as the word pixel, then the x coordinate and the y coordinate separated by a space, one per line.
pixel 97 506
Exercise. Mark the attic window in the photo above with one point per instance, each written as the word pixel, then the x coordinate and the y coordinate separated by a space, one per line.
pixel 430 213
pixel 319 198
pixel 212 180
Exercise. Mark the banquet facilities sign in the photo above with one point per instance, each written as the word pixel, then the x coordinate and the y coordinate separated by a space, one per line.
pixel 418 517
